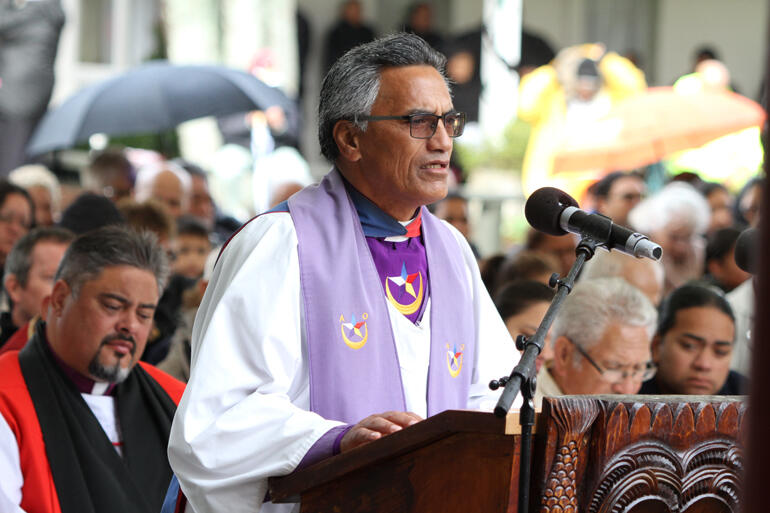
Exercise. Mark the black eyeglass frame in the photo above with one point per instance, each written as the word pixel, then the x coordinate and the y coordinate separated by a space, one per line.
pixel 649 367
pixel 461 116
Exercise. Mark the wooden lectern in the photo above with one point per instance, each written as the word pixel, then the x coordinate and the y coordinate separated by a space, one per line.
pixel 592 454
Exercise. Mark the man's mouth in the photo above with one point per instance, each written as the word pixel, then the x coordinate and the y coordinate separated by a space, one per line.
pixel 121 345
pixel 699 383
pixel 435 165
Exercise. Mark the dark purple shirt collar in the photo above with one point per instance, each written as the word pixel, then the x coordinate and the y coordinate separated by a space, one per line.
pixel 84 384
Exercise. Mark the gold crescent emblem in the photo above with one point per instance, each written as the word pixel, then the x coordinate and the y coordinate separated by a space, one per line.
pixel 405 309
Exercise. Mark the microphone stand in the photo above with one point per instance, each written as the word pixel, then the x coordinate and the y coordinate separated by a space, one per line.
pixel 523 379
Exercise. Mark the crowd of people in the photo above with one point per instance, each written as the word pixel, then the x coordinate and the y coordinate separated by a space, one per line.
pixel 680 325
pixel 346 312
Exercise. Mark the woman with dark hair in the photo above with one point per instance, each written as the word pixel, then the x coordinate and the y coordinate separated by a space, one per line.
pixel 17 217
pixel 522 305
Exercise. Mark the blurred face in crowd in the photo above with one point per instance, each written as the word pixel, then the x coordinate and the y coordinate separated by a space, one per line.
pixel 750 204
pixel 455 212
pixel 721 203
pixel 201 205
pixel 15 222
pixel 167 188
pixel 678 241
pixel 461 67
pixel 190 252
pixel 622 350
pixel 526 323
pixel 351 12
pixel 420 19
pixel 727 272
pixel 586 87
pixel 284 191
pixel 561 247
pixel 693 357
pixel 101 332
pixel 626 192
pixel 385 163
pixel 41 197
pixel 28 298
pixel 113 183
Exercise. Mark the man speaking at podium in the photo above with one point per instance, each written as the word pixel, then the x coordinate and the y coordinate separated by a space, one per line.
pixel 348 312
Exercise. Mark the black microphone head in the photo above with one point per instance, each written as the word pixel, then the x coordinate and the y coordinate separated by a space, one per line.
pixel 544 207
pixel 746 250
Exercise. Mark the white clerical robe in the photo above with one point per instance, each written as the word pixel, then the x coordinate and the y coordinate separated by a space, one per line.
pixel 245 413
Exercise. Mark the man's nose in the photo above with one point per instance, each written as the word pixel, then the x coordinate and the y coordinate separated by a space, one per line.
pixel 626 386
pixel 703 361
pixel 440 140
pixel 128 322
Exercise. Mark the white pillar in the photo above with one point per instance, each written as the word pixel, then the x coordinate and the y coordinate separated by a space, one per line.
pixel 500 84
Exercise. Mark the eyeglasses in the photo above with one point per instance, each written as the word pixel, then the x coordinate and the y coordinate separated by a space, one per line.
pixel 423 126
pixel 9 217
pixel 618 375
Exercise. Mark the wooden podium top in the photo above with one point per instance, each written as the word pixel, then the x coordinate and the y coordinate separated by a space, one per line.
pixel 287 488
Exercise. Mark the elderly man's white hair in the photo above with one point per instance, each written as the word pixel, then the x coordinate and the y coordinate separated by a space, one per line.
pixel 593 305
pixel 36 175
pixel 145 178
pixel 676 201
pixel 608 264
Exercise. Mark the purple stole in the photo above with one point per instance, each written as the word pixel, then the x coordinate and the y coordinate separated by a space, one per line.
pixel 354 369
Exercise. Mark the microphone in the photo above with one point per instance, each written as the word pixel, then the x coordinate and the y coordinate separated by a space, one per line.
pixel 746 250
pixel 555 212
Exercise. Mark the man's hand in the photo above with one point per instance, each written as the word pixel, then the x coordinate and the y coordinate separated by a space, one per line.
pixel 377 426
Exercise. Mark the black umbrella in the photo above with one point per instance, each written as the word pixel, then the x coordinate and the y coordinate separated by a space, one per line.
pixel 152 98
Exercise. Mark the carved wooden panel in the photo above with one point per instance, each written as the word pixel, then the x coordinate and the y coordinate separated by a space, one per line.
pixel 647 454
pixel 565 441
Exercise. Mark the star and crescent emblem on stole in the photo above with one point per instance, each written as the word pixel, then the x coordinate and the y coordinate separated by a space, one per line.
pixel 354 332
pixel 405 284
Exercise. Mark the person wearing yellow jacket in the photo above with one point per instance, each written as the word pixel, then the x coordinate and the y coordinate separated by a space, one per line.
pixel 577 87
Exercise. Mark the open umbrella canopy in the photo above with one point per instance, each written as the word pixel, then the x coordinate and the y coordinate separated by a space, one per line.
pixel 646 128
pixel 154 97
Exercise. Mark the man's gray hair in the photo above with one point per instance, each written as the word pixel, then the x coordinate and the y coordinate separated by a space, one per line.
pixel 607 264
pixel 353 82
pixel 593 305
pixel 19 260
pixel 111 246
pixel 677 201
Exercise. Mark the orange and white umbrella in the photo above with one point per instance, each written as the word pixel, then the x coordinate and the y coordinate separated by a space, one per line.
pixel 646 128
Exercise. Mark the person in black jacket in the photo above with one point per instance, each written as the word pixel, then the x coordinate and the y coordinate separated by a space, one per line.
pixel 694 344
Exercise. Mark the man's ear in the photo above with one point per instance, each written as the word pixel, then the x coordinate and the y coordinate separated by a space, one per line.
pixel 657 341
pixel 562 354
pixel 44 308
pixel 713 267
pixel 13 287
pixel 58 297
pixel 346 135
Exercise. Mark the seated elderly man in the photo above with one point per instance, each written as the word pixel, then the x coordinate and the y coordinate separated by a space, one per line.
pixel 82 427
pixel 167 183
pixel 601 341
pixel 676 217
pixel 644 274
pixel 28 279
pixel 44 189
pixel 693 345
